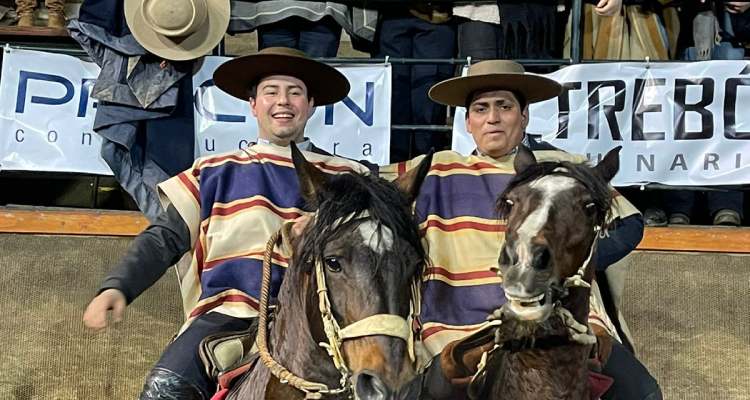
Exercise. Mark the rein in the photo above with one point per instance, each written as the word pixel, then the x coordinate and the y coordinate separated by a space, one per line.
pixel 379 324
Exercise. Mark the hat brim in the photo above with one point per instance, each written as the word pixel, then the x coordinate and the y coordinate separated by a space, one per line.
pixel 455 91
pixel 195 45
pixel 325 84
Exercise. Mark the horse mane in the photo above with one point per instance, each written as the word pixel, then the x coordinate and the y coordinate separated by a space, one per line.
pixel 582 173
pixel 352 193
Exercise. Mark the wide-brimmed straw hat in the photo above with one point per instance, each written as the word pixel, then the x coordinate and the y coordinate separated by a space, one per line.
pixel 324 83
pixel 494 75
pixel 178 29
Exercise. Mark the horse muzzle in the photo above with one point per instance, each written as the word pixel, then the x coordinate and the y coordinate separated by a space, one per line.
pixel 369 386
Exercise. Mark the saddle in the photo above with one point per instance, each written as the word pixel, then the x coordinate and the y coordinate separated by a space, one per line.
pixel 468 362
pixel 226 352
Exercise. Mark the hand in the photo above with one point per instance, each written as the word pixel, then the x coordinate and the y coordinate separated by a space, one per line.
pixel 608 8
pixel 95 316
pixel 737 7
pixel 300 223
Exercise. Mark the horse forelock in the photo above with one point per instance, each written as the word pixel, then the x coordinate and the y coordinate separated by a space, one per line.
pixel 390 225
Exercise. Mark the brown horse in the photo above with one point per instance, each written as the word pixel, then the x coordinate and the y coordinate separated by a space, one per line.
pixel 364 242
pixel 554 212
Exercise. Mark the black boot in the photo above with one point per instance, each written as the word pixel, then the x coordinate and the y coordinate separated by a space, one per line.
pixel 163 384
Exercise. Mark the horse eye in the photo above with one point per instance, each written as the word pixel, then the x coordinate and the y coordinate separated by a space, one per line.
pixel 590 207
pixel 509 202
pixel 332 263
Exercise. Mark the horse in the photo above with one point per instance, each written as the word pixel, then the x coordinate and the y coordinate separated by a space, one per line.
pixel 555 212
pixel 340 323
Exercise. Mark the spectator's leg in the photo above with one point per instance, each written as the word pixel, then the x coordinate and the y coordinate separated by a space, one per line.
pixel 679 205
pixel 632 379
pixel 25 11
pixel 725 208
pixel 320 38
pixel 56 13
pixel 284 33
pixel 653 206
pixel 478 40
pixel 430 41
pixel 395 40
pixel 180 373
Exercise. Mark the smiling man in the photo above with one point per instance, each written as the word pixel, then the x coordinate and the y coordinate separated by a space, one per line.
pixel 456 209
pixel 220 214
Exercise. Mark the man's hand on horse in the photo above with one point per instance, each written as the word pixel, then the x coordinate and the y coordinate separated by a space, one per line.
pixel 95 316
pixel 300 223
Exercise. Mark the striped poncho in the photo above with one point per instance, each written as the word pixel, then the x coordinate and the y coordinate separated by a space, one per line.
pixel 232 204
pixel 456 211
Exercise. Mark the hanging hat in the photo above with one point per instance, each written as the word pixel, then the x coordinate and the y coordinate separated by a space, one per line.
pixel 178 29
pixel 494 75
pixel 325 84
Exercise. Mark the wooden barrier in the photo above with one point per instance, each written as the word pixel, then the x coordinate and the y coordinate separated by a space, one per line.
pixel 71 222
pixel 129 223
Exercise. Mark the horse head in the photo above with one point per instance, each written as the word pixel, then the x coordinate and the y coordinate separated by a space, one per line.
pixel 361 254
pixel 554 211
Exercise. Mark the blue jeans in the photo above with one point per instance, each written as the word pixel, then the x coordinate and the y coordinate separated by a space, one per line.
pixel 632 379
pixel 683 201
pixel 315 38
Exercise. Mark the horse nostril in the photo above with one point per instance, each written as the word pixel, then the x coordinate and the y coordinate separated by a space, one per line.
pixel 369 386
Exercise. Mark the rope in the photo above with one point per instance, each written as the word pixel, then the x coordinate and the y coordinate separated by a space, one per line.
pixel 312 389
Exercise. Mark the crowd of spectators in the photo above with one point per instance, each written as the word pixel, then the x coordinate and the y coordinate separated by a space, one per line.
pixel 507 29
pixel 525 30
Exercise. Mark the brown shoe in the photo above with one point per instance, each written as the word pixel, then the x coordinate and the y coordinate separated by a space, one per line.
pixel 25 11
pixel 26 20
pixel 56 21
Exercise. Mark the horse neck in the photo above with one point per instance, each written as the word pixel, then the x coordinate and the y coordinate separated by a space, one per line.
pixel 292 343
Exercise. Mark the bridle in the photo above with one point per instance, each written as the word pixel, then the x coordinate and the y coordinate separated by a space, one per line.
pixel 374 325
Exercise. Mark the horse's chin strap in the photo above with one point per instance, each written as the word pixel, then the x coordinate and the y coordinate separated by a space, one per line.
pixel 576 280
pixel 578 332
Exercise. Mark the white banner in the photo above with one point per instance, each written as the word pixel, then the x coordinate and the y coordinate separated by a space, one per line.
pixel 357 127
pixel 46 115
pixel 678 123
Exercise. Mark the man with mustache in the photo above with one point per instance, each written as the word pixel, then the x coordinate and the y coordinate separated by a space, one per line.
pixel 456 210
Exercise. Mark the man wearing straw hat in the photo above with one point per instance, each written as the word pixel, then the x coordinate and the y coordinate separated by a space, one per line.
pixel 220 213
pixel 455 210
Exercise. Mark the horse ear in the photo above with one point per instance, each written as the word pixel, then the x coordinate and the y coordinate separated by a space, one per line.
pixel 610 164
pixel 311 179
pixel 410 182
pixel 524 159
